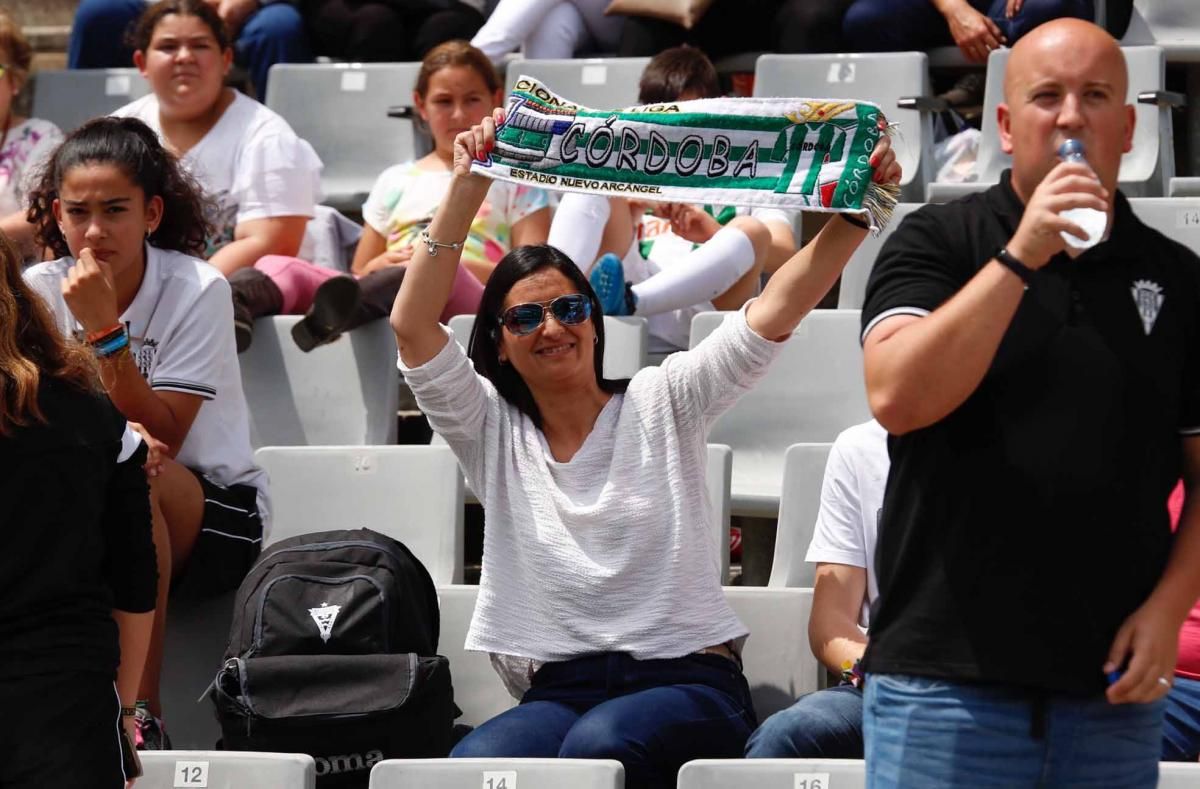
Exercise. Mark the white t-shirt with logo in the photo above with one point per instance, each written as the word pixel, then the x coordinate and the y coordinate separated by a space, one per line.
pixel 251 164
pixel 181 336
pixel 851 499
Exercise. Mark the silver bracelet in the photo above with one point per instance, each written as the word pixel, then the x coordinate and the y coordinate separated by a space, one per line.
pixel 433 245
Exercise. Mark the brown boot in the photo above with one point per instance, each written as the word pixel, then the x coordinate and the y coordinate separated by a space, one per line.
pixel 254 295
pixel 333 308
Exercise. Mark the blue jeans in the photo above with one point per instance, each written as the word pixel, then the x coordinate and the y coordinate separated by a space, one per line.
pixel 1181 722
pixel 933 733
pixel 272 34
pixel 903 25
pixel 650 715
pixel 822 725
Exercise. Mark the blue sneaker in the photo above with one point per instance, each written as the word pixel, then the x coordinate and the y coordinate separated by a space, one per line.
pixel 608 280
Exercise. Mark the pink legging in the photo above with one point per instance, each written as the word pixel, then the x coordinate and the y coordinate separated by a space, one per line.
pixel 298 280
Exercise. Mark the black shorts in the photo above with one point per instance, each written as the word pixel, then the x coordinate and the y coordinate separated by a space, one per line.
pixel 63 732
pixel 230 540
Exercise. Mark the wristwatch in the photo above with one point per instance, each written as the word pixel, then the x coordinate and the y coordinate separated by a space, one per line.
pixel 1009 261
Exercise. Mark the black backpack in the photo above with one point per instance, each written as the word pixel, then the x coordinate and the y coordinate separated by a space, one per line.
pixel 333 653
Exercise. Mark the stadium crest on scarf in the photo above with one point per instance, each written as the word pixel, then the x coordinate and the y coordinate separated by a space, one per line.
pixel 808 154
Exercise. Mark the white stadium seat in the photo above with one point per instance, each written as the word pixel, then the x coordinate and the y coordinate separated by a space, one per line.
pixel 1145 171
pixel 1175 217
pixel 718 476
pixel 498 774
pixel 410 493
pixel 346 392
pixel 897 81
pixel 779 665
pixel 1178 775
pixel 812 392
pixel 342 110
pixel 68 98
pixel 852 291
pixel 803 475
pixel 773 774
pixel 1173 25
pixel 226 770
pixel 596 83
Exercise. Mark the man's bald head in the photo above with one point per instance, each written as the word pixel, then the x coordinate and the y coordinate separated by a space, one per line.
pixel 1086 46
pixel 1065 79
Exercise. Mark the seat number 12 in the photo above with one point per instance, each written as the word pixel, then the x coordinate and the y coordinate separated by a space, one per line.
pixel 191 775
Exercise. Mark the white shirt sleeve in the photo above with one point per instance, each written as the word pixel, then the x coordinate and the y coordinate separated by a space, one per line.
pixel 276 175
pixel 456 401
pixel 705 381
pixel 190 360
pixel 838 537
pixel 130 441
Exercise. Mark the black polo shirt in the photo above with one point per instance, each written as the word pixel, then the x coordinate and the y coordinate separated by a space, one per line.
pixel 1019 531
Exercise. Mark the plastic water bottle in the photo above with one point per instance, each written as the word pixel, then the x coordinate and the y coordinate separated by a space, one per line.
pixel 1091 221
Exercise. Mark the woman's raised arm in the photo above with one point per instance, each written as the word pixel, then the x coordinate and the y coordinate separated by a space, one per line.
pixel 803 280
pixel 429 277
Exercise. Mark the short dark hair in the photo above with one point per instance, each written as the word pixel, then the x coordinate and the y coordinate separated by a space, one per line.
pixel 142 32
pixel 676 71
pixel 135 149
pixel 484 348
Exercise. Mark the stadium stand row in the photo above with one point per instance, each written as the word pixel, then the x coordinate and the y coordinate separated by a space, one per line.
pixel 343 394
pixel 357 115
pixel 168 769
pixel 415 494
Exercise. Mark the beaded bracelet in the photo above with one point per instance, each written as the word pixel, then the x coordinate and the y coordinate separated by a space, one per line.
pixel 94 337
pixel 107 348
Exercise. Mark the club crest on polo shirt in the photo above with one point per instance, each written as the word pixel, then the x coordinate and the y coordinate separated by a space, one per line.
pixel 325 615
pixel 145 356
pixel 1148 296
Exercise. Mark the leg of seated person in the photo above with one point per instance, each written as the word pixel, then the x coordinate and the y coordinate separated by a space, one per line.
pixel 578 228
pixel 604 30
pixel 558 36
pixel 510 24
pixel 895 26
pixel 460 22
pixel 654 732
pixel 810 26
pixel 379 289
pixel 534 729
pixel 369 32
pixel 732 257
pixel 98 33
pixel 826 724
pixel 177 507
pixel 1181 722
pixel 296 279
pixel 1035 12
pixel 274 34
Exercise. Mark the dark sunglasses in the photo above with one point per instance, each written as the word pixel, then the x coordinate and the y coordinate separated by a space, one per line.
pixel 569 310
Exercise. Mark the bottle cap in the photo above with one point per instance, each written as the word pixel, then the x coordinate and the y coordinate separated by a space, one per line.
pixel 1070 149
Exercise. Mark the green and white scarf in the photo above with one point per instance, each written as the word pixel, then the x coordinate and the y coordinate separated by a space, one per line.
pixel 807 154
